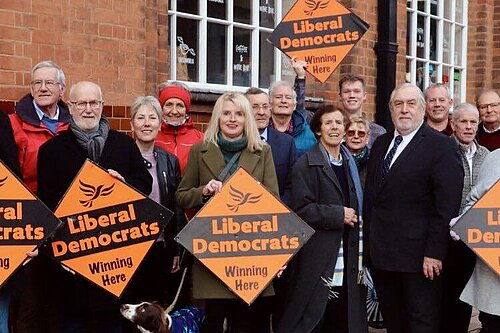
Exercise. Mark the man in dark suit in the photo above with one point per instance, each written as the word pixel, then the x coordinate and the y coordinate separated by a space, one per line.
pixel 282 145
pixel 413 189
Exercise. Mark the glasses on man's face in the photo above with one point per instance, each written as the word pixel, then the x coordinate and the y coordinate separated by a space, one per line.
pixel 82 105
pixel 352 133
pixel 484 107
pixel 49 84
pixel 264 107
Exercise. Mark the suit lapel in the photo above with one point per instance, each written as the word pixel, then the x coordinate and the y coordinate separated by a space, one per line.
pixel 213 159
pixel 415 141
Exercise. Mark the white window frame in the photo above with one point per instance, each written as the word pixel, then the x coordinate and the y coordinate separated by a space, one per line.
pixel 201 84
pixel 411 53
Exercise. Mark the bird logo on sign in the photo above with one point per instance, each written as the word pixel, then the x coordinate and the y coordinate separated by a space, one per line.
pixel 315 5
pixel 241 198
pixel 93 192
pixel 3 180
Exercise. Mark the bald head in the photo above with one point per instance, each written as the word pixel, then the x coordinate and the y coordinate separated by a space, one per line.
pixel 85 101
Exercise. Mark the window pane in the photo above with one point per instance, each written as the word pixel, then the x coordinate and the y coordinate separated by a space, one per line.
pixel 287 72
pixel 434 6
pixel 266 63
pixel 446 42
pixel 242 11
pixel 421 6
pixel 457 78
pixel 420 36
pixel 241 57
pixel 433 46
pixel 266 13
pixel 187 49
pixel 409 34
pixel 458 45
pixel 187 6
pixel 459 11
pixel 446 75
pixel 216 53
pixel 217 8
pixel 432 73
pixel 447 10
pixel 420 75
pixel 408 71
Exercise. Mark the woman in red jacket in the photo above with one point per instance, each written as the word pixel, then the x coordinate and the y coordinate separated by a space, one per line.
pixel 178 133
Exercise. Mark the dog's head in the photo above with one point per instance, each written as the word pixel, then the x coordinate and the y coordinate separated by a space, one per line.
pixel 149 317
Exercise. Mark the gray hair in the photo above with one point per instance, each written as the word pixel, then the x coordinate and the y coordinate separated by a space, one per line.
pixel 436 86
pixel 142 101
pixel 277 84
pixel 464 107
pixel 420 99
pixel 61 78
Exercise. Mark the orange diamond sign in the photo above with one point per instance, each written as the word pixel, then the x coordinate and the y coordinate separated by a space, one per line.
pixel 479 228
pixel 25 223
pixel 321 32
pixel 244 235
pixel 108 228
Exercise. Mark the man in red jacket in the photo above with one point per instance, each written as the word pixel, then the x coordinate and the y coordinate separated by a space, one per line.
pixel 178 133
pixel 39 116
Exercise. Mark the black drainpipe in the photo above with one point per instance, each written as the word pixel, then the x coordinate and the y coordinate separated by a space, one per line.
pixel 386 49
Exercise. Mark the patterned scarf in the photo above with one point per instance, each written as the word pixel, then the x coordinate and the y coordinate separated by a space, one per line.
pixel 92 141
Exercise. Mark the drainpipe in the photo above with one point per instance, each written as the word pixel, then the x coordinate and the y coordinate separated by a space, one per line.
pixel 386 49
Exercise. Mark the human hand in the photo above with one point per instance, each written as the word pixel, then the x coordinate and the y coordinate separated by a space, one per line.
pixel 299 66
pixel 116 175
pixel 30 255
pixel 432 267
pixel 213 186
pixel 281 270
pixel 350 216
pixel 175 264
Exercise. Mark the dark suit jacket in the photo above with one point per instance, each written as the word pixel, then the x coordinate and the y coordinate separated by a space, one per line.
pixel 407 214
pixel 284 155
pixel 8 148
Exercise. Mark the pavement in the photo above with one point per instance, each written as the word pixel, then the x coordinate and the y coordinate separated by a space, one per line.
pixel 474 326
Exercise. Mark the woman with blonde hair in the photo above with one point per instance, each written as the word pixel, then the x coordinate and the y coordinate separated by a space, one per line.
pixel 231 140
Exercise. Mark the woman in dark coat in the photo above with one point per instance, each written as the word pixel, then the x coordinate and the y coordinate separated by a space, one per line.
pixel 326 294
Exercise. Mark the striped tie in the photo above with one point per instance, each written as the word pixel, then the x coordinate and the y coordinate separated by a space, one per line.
pixel 388 159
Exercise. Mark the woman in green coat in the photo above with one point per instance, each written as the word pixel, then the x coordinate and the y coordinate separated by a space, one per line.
pixel 232 131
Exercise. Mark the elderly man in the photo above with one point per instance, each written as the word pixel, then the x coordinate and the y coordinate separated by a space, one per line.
pixel 39 116
pixel 488 104
pixel 73 302
pixel 437 107
pixel 460 261
pixel 352 93
pixel 286 119
pixel 413 189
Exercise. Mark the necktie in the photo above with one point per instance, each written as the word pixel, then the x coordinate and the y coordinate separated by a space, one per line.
pixel 388 159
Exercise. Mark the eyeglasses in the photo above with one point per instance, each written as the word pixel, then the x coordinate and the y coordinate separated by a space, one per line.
pixel 484 107
pixel 351 133
pixel 82 105
pixel 49 84
pixel 260 106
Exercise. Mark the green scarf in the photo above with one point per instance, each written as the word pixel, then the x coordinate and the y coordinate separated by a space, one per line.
pixel 229 148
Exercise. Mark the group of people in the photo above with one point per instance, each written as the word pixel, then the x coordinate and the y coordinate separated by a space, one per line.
pixel 375 199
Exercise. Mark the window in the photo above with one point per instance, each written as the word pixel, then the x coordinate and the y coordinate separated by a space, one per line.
pixel 222 44
pixel 436 44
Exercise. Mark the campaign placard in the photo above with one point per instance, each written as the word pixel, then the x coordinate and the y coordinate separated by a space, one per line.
pixel 25 223
pixel 108 228
pixel 321 32
pixel 479 228
pixel 244 235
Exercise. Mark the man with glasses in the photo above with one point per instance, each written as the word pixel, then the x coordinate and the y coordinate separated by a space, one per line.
pixel 39 116
pixel 488 104
pixel 72 304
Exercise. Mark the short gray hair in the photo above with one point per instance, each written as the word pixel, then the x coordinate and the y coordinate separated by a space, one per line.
pixel 61 78
pixel 277 84
pixel 142 101
pixel 436 86
pixel 464 107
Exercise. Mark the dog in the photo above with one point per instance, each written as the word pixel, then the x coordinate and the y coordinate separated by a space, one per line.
pixel 152 318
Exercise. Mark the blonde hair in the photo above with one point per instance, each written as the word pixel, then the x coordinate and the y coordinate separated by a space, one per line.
pixel 356 119
pixel 250 126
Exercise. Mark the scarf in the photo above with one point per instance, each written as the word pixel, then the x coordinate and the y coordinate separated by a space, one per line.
pixel 229 148
pixel 92 141
pixel 362 157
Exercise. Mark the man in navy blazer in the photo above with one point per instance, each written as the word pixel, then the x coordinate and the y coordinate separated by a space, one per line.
pixel 413 189
pixel 282 145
